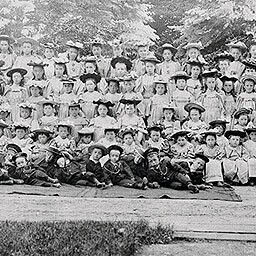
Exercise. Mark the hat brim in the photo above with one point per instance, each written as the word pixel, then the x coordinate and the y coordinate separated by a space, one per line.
pixel 101 147
pixel 188 107
pixel 23 40
pixel 248 77
pixel 241 112
pixel 108 104
pixel 94 77
pixel 218 122
pixel 130 102
pixel 151 60
pixel 229 133
pixel 7 38
pixel 116 60
pixel 180 133
pixel 171 48
pixel 22 71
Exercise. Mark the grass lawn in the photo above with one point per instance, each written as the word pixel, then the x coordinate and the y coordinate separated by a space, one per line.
pixel 79 237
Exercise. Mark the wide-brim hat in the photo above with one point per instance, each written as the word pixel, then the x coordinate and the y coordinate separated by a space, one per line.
pixel 74 104
pixel 23 40
pixel 113 79
pixel 20 154
pixel 239 133
pixel 248 77
pixel 180 75
pixel 111 129
pixel 196 63
pixel 242 111
pixel 203 157
pixel 34 83
pixel 37 64
pixel 60 60
pixel 66 123
pixel 86 131
pixel 48 102
pixel 218 122
pixel 3 124
pixel 151 59
pixel 189 106
pixel 130 102
pixel 127 78
pixel 115 147
pixel 27 105
pixel 169 47
pixel 224 56
pixel 250 63
pixel 198 46
pixel 228 78
pixel 211 73
pixel 88 76
pixel 170 106
pixel 7 38
pixel 49 45
pixel 19 125
pixel 42 131
pixel 76 45
pixel 156 128
pixel 22 71
pixel 90 59
pixel 150 151
pixel 104 102
pixel 123 60
pixel 14 147
pixel 238 44
pixel 68 80
pixel 249 130
pixel 99 146
pixel 127 130
pixel 180 134
pixel 212 132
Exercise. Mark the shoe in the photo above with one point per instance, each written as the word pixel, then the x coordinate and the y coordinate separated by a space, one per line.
pixel 193 188
pixel 144 183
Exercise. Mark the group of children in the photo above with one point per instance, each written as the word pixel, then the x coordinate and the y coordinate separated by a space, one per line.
pixel 97 121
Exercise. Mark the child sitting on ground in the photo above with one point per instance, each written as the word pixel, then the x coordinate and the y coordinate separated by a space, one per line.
pixel 117 172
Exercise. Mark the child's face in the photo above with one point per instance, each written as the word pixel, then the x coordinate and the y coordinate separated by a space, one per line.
pixel 128 139
pixel 129 85
pixel 234 141
pixel 38 72
pixel 220 130
pixel 248 86
pixel 121 69
pixel 236 53
pixel 160 89
pixel 25 113
pixel 27 48
pixel 4 46
pixel 150 67
pixel 228 86
pixel 210 141
pixel 90 85
pixel 35 91
pixel 9 154
pixel 90 67
pixel 96 51
pixel 181 84
pixel 143 51
pixel 49 53
pixel 74 111
pixel 102 110
pixel 72 53
pixel 59 70
pixel 195 71
pixel 153 161
pixel 129 109
pixel 211 83
pixel 21 162
pixel 253 51
pixel 16 77
pixel 252 136
pixel 223 65
pixel 63 132
pixel 68 87
pixel 243 120
pixel 20 133
pixel 96 154
pixel 193 53
pixel 168 114
pixel 86 139
pixel 114 155
pixel 195 115
pixel 181 141
pixel 112 87
pixel 110 135
pixel 42 138
pixel 198 164
pixel 167 55
pixel 155 136
pixel 48 110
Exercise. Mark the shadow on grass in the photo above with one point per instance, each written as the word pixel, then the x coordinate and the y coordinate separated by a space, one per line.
pixel 79 237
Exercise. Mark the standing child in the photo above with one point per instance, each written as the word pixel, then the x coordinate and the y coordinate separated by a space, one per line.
pixel 211 100
pixel 87 98
pixel 28 116
pixel 194 122
pixel 235 164
pixel 223 62
pixel 49 54
pixel 102 120
pixel 74 66
pixel 16 93
pixel 229 98
pixel 160 97
pixel 35 92
pixel 180 96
